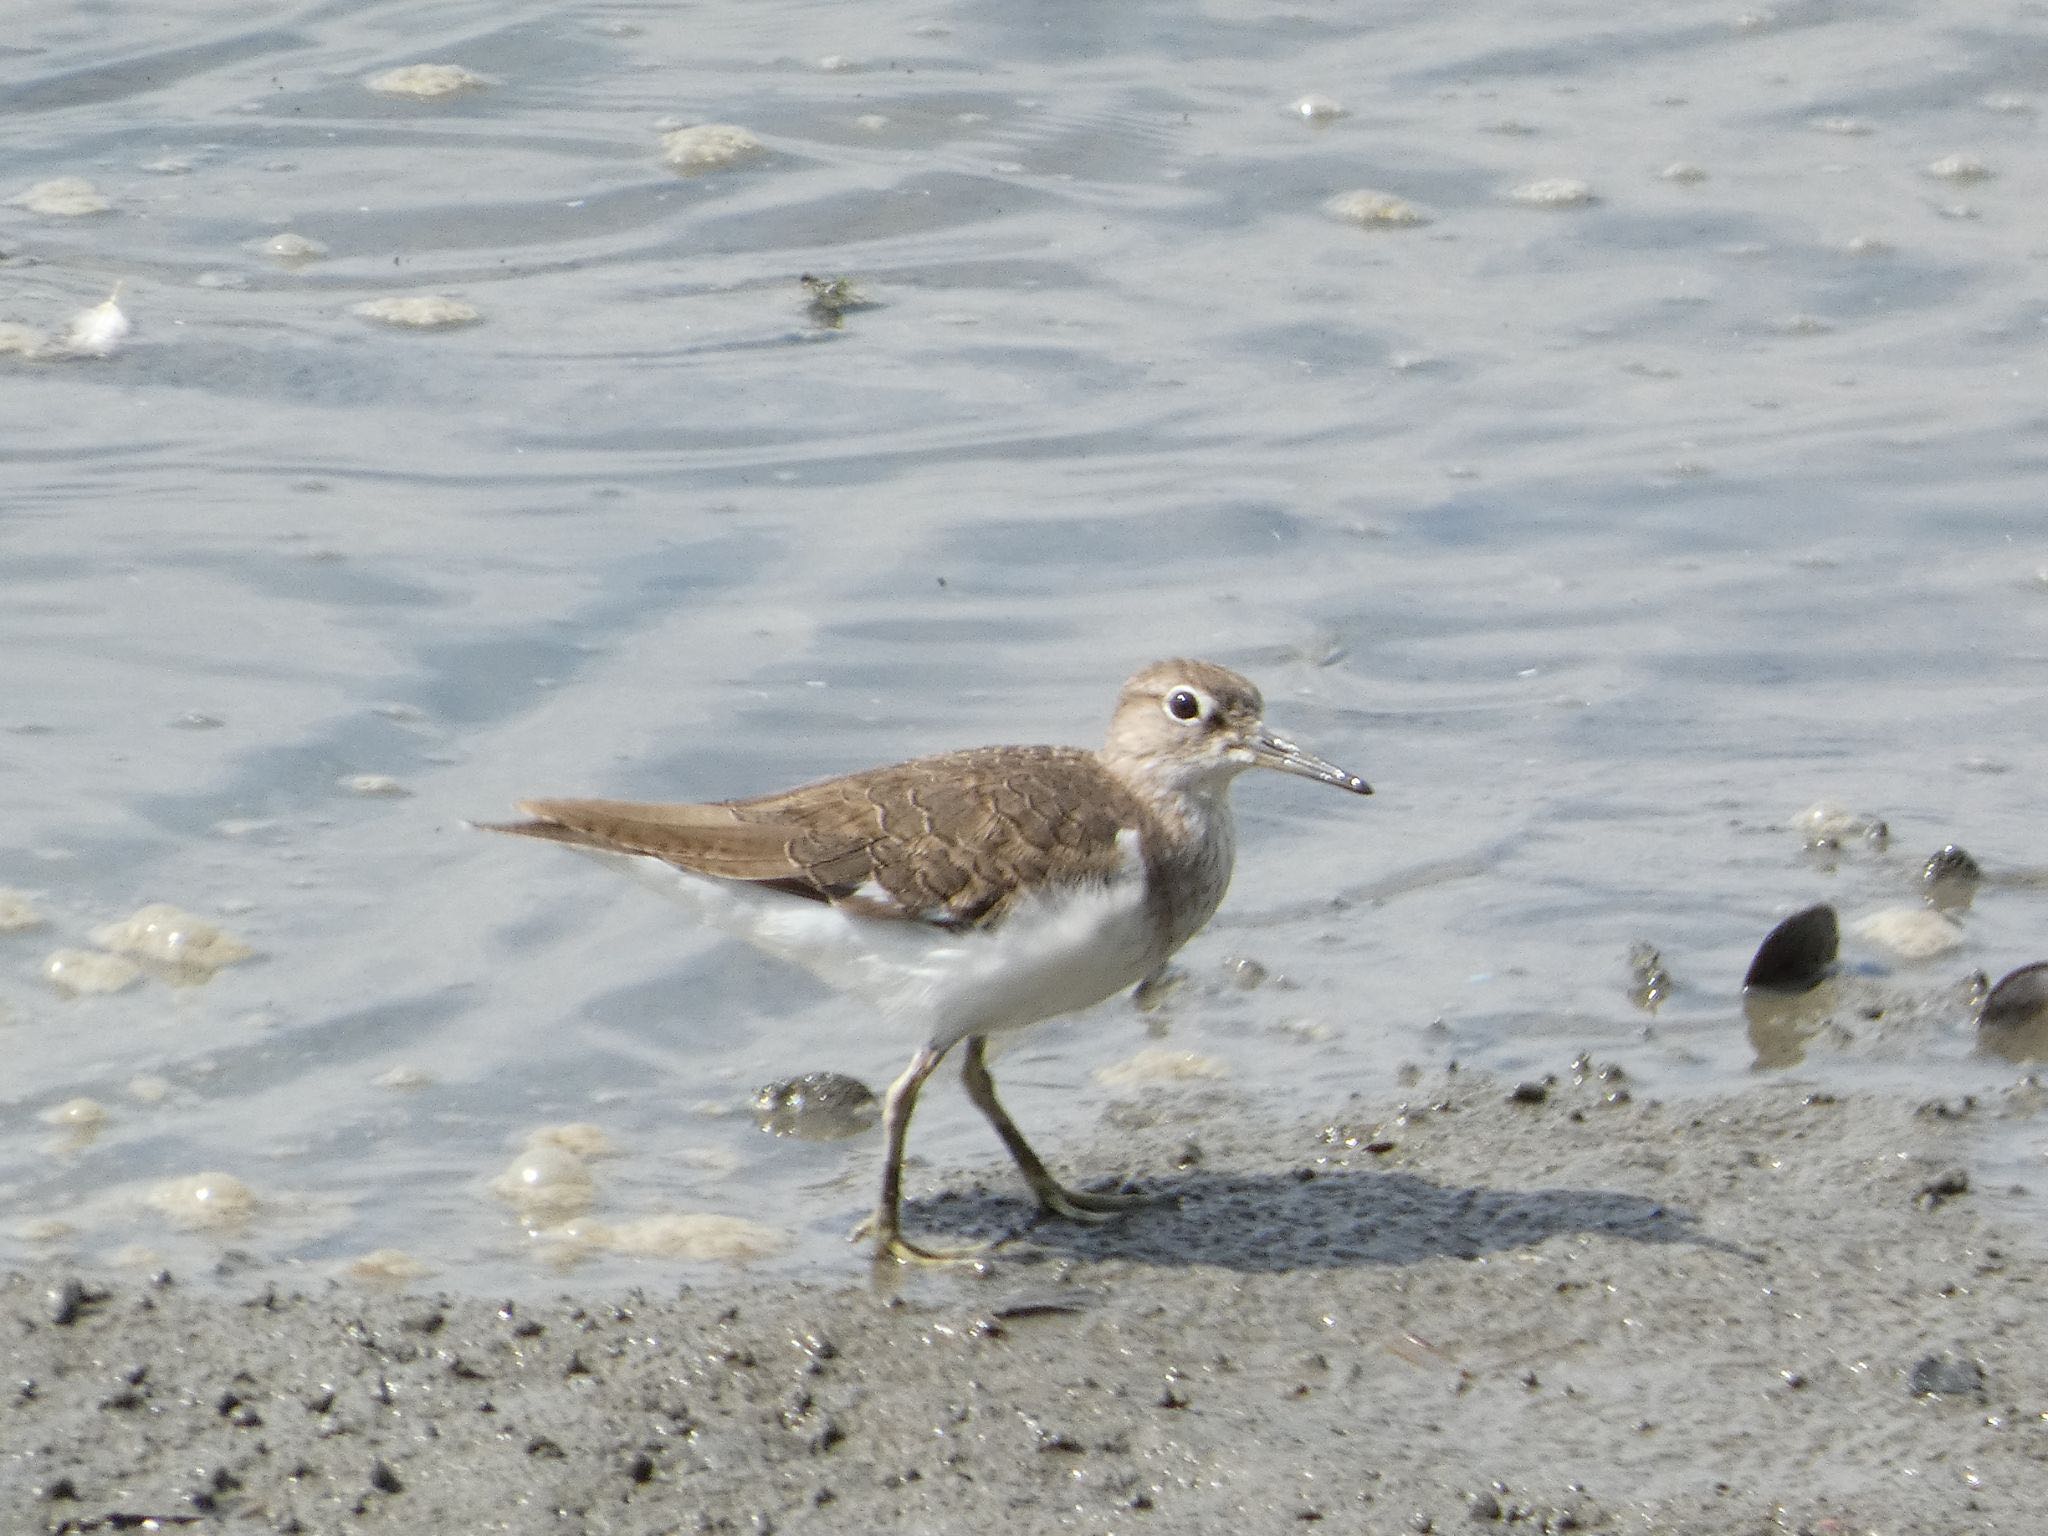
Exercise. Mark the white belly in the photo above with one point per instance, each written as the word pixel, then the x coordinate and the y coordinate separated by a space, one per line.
pixel 1051 955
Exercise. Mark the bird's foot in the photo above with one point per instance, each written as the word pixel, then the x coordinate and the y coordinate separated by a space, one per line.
pixel 890 1243
pixel 1086 1206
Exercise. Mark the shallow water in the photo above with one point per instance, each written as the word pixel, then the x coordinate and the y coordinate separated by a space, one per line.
pixel 1602 538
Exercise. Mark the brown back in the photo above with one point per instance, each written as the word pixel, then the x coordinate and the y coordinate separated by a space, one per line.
pixel 950 840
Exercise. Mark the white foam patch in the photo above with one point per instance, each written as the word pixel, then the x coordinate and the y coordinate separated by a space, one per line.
pixel 62 197
pixel 420 312
pixel 577 1138
pixel 1554 192
pixel 202 1200
pixel 290 248
pixel 545 1183
pixel 699 1236
pixel 388 1266
pixel 98 331
pixel 1960 168
pixel 1158 1065
pixel 427 82
pixel 708 147
pixel 1375 210
pixel 374 786
pixel 81 1115
pixel 166 935
pixel 18 911
pixel 85 973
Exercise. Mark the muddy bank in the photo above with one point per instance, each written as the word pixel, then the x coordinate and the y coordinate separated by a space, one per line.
pixel 1574 1310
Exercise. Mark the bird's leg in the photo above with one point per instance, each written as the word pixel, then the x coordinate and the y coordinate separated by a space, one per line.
pixel 1053 1196
pixel 886 1225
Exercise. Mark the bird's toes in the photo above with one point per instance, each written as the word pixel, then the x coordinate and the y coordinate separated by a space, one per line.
pixel 1086 1206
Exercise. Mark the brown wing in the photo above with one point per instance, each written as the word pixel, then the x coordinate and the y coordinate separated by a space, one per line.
pixel 947 840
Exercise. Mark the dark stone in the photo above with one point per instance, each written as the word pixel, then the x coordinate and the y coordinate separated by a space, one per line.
pixel 1947 1375
pixel 1944 1186
pixel 67 1303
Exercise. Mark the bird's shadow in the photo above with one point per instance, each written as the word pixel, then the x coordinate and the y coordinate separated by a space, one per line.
pixel 1330 1219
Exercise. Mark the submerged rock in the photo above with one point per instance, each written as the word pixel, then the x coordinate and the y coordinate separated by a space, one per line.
pixel 818 1106
pixel 1949 880
pixel 831 299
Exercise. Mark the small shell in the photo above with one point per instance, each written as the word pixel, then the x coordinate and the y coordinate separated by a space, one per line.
pixel 2019 1001
pixel 1796 954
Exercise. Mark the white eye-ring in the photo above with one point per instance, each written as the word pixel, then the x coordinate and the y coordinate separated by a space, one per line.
pixel 1186 704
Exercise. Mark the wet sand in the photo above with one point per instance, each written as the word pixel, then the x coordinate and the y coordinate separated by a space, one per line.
pixel 1583 1310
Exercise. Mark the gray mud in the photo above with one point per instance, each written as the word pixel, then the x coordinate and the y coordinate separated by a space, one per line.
pixel 1566 1310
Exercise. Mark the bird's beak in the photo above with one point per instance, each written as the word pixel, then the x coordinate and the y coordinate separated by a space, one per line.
pixel 1270 751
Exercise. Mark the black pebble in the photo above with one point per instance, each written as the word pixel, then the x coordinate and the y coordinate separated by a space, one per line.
pixel 1947 1376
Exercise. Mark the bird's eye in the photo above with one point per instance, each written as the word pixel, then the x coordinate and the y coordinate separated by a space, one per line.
pixel 1184 704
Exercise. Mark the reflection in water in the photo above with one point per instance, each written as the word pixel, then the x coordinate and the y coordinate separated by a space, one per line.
pixel 1782 1024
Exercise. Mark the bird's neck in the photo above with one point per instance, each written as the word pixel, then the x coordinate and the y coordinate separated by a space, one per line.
pixel 1189 858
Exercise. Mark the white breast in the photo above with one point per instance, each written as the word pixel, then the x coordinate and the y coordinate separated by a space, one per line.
pixel 1055 953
